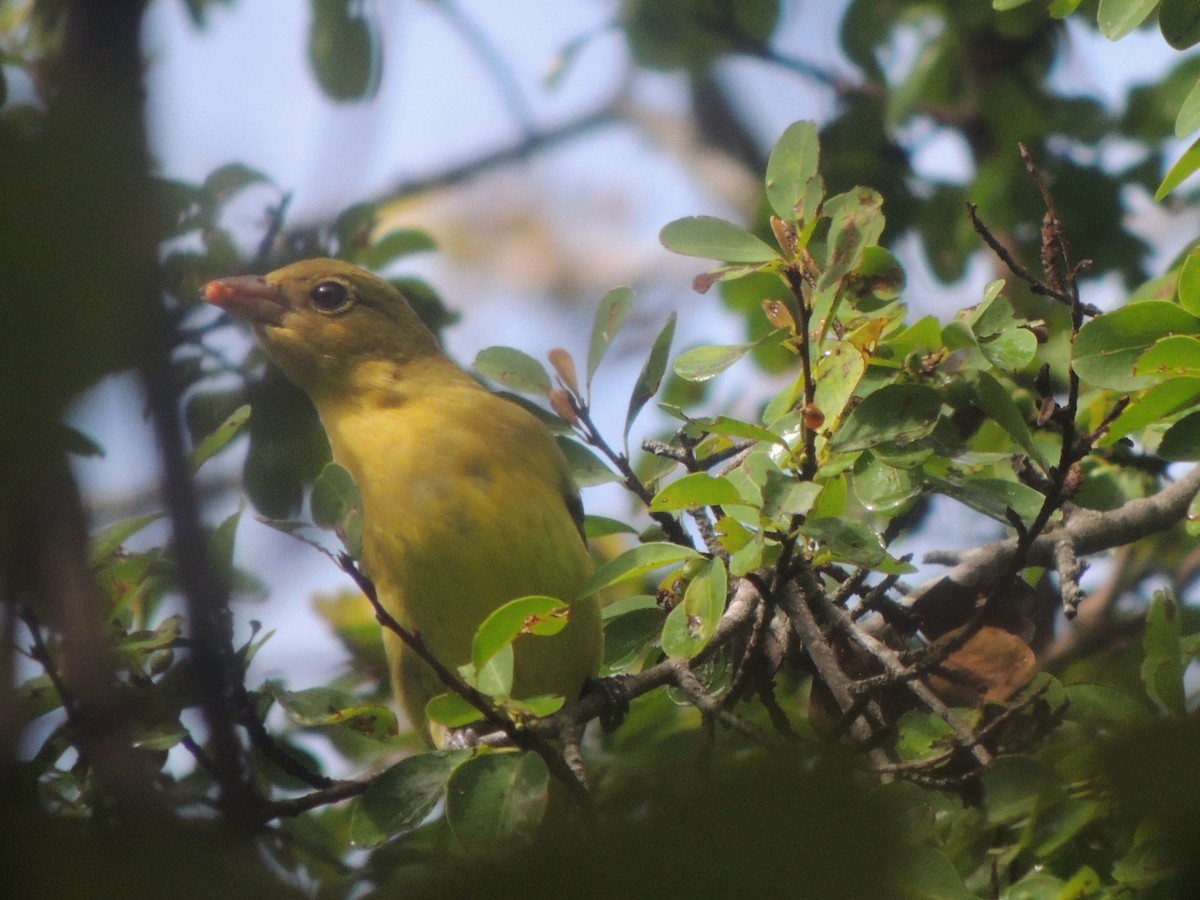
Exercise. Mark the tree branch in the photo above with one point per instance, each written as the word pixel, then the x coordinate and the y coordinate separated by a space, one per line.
pixel 1088 531
pixel 606 115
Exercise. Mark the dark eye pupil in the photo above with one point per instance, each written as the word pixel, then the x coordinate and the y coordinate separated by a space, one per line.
pixel 330 295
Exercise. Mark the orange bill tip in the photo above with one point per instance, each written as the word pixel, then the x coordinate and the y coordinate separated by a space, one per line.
pixel 218 292
pixel 248 297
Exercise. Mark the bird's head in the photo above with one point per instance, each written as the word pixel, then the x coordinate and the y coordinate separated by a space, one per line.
pixel 323 320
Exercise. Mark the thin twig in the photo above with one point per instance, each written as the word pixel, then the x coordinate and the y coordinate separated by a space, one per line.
pixel 334 793
pixel 1035 284
pixel 795 281
pixel 587 430
pixel 824 658
pixel 686 681
pixel 266 744
pixel 518 736
pixel 894 667
pixel 275 217
pixel 527 146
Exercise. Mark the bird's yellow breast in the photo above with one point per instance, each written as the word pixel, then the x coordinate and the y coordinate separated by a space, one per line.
pixel 465 507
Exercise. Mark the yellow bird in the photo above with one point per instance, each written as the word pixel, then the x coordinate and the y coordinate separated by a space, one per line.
pixel 467 499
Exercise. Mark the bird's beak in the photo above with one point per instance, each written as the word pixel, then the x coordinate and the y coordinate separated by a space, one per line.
pixel 248 297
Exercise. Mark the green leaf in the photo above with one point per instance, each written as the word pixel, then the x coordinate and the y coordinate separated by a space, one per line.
pixel 784 402
pixel 855 543
pixel 993 496
pixel 322 706
pixel 108 540
pixel 1182 440
pixel 882 488
pixel 1179 22
pixel 702 363
pixel 693 622
pixel 586 467
pixel 831 502
pixel 634 563
pixel 451 711
pixel 541 705
pixel 927 75
pixel 838 374
pixel 216 440
pixel 652 372
pixel 158 738
pixel 394 244
pixel 994 315
pixel 1012 786
pixel 537 614
pixel 784 496
pixel 1109 345
pixel 791 170
pixel 513 368
pixel 880 273
pixel 1037 885
pixel 1172 356
pixel 337 505
pixel 1148 862
pixel 133 649
pixel 345 51
pixel 610 314
pixel 1188 284
pixel 1060 9
pixel 693 491
pixel 1163 667
pixel 1084 883
pixel 495 676
pixel 1188 119
pixel 1155 405
pixel 1010 350
pixel 37 696
pixel 334 493
pixel 1117 18
pixel 896 412
pixel 252 646
pixel 928 873
pixel 618 608
pixel 711 238
pixel 220 547
pixel 77 443
pixel 703 282
pixel 602 526
pixel 1056 826
pixel 749 556
pixel 730 427
pixel 1184 167
pixel 921 734
pixel 402 797
pixel 288 447
pixel 856 222
pixel 1101 704
pixel 995 400
pixel 222 183
pixel 627 636
pixel 495 801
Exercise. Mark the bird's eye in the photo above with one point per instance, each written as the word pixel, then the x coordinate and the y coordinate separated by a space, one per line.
pixel 330 296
